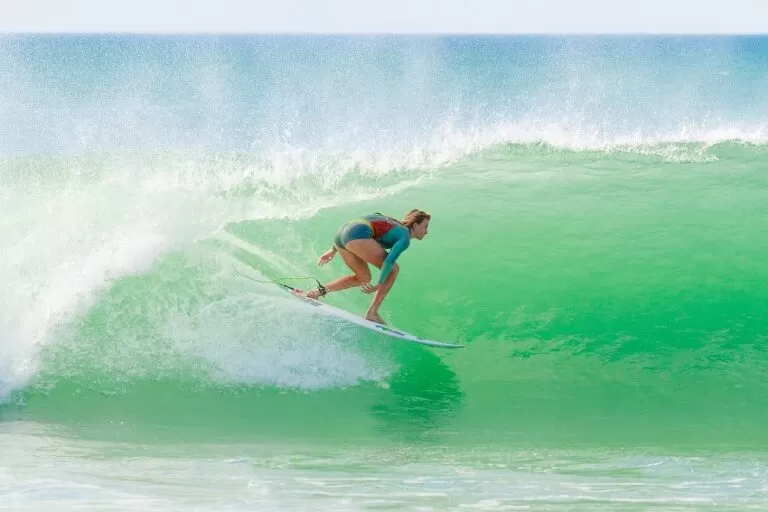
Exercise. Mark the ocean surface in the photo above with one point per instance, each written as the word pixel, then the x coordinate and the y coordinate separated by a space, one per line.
pixel 598 242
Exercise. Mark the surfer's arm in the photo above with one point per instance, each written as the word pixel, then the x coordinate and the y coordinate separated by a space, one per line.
pixel 327 256
pixel 397 249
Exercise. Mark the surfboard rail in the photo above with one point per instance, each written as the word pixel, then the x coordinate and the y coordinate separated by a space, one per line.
pixel 373 326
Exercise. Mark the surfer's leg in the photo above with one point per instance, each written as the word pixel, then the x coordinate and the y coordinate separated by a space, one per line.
pixel 381 293
pixel 371 251
pixel 350 231
pixel 362 275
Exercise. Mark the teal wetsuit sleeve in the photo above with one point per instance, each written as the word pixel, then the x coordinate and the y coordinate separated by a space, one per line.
pixel 402 244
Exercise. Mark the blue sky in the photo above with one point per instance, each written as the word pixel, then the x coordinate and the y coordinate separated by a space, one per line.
pixel 389 16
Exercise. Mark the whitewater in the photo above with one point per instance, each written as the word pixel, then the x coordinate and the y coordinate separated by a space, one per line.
pixel 597 241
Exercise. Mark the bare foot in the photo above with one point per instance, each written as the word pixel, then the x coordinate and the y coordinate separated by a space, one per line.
pixel 312 294
pixel 374 317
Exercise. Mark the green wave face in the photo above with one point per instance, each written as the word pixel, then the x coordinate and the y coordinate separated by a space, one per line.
pixel 597 242
pixel 597 238
pixel 604 298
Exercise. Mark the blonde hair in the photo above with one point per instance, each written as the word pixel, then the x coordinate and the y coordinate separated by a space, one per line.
pixel 414 216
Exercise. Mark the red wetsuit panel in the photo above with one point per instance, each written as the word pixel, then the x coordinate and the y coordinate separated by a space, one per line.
pixel 380 227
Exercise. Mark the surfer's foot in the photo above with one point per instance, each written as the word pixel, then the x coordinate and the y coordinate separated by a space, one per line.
pixel 374 317
pixel 312 294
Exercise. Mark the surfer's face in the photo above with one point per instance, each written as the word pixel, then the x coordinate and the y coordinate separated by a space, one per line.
pixel 420 229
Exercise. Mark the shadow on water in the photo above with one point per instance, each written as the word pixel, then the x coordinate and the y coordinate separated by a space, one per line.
pixel 424 396
pixel 7 412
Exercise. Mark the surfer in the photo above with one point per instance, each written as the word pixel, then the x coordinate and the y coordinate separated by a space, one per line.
pixel 363 241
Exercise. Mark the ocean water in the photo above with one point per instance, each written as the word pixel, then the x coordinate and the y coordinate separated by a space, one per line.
pixel 598 242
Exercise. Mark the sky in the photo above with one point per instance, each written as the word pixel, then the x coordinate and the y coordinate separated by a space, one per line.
pixel 386 16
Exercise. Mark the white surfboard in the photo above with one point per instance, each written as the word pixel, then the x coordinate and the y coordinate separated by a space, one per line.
pixel 383 329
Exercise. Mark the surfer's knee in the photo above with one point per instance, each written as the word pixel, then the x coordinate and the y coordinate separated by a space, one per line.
pixel 363 276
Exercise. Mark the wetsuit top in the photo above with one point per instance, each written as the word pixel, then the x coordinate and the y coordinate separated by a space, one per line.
pixel 391 235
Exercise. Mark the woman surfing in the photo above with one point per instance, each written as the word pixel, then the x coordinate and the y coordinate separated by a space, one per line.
pixel 364 241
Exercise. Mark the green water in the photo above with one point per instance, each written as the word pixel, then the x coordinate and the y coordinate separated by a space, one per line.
pixel 606 290
pixel 597 241
pixel 612 304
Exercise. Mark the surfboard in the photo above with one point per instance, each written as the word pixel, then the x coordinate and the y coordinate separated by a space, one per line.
pixel 373 326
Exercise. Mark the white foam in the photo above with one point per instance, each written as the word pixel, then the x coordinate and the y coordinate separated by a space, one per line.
pixel 73 227
pixel 258 339
pixel 564 135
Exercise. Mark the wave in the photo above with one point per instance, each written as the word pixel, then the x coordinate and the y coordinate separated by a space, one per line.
pixel 114 181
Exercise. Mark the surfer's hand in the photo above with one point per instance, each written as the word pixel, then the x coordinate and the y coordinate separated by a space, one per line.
pixel 326 257
pixel 369 288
